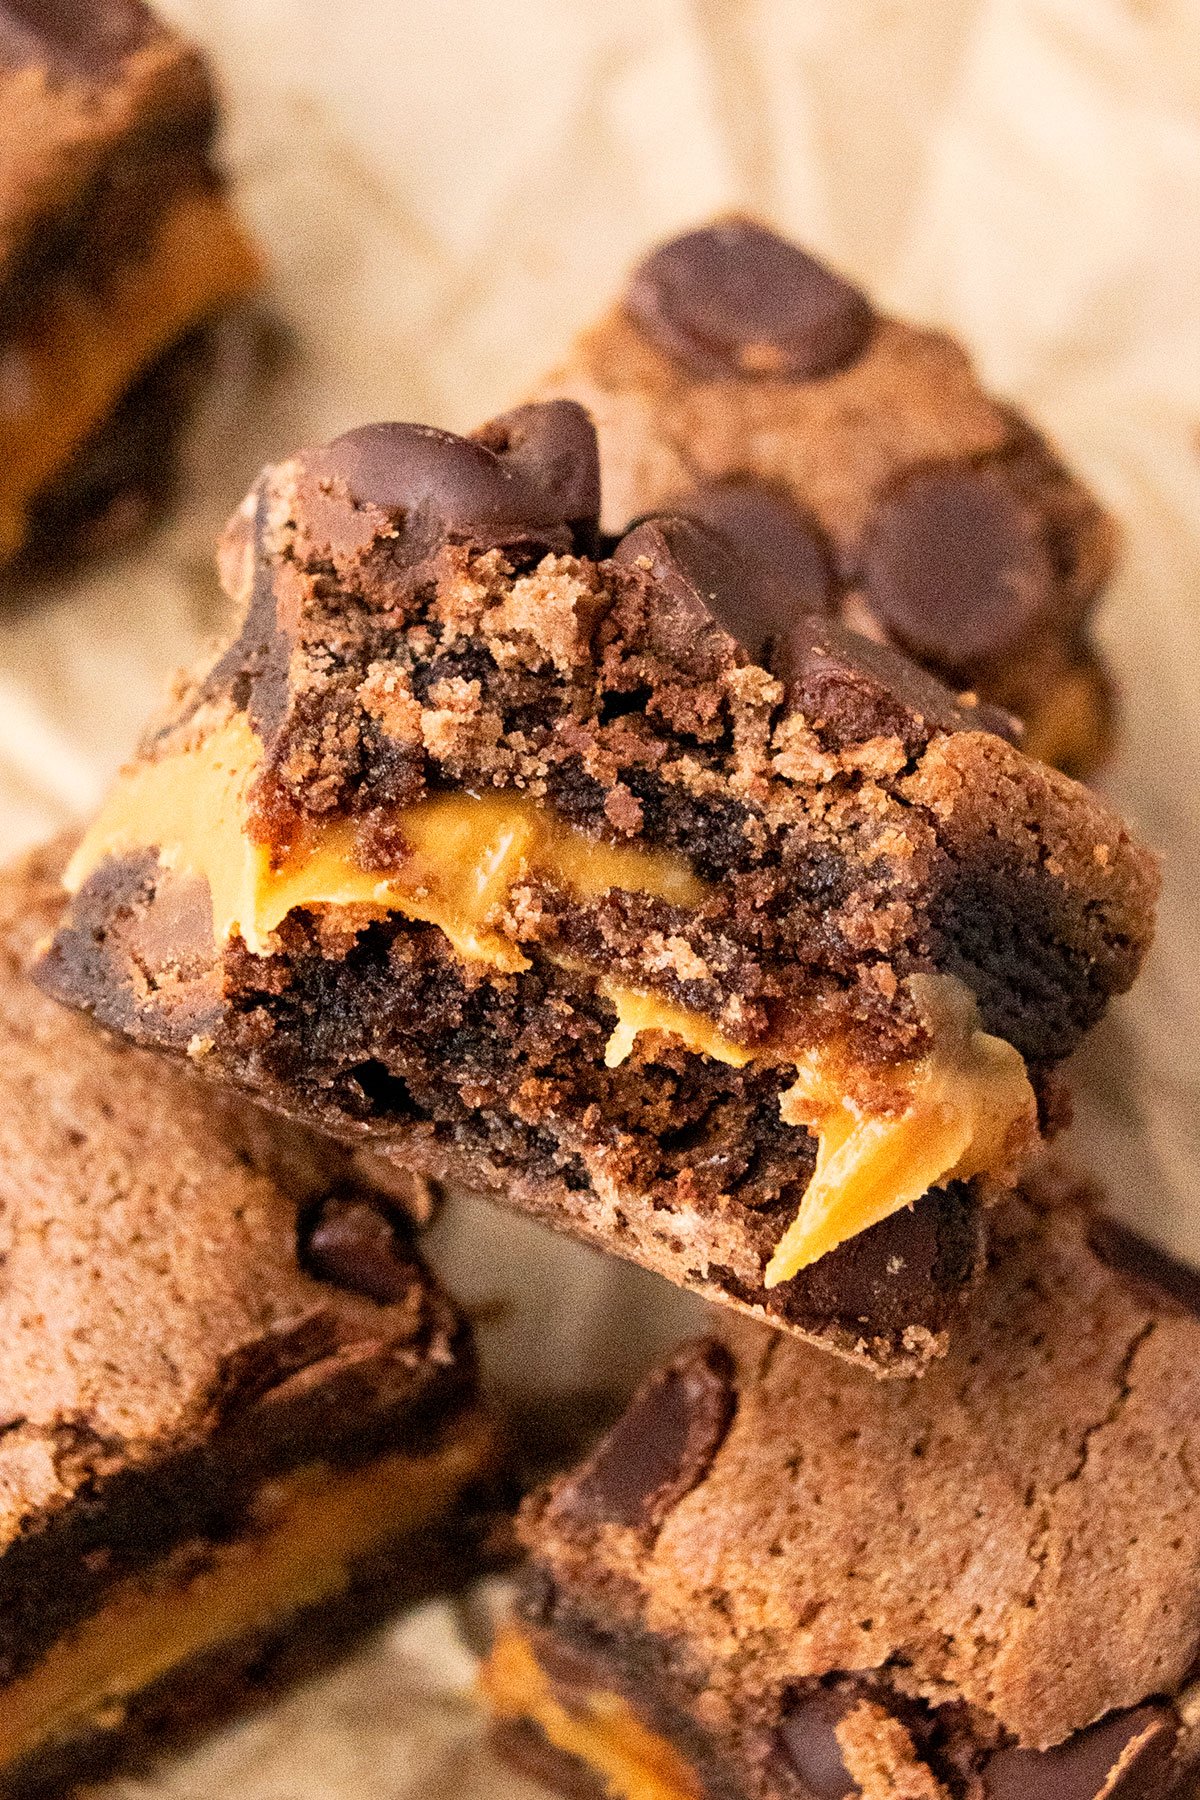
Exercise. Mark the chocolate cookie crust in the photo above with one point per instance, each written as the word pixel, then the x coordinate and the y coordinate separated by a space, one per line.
pixel 205 1317
pixel 742 381
pixel 116 245
pixel 721 858
pixel 978 1586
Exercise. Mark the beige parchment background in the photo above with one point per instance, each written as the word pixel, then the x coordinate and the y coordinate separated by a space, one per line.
pixel 446 189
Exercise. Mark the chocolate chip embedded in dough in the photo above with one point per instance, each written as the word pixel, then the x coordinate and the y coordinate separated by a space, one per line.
pixel 706 581
pixel 554 445
pixel 851 689
pixel 357 1245
pixel 442 484
pixel 1124 1757
pixel 737 299
pixel 661 1446
pixel 807 1737
pixel 770 531
pixel 955 565
pixel 82 40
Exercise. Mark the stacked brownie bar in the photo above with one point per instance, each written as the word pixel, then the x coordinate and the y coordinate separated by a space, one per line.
pixel 621 861
pixel 118 247
pixel 238 1417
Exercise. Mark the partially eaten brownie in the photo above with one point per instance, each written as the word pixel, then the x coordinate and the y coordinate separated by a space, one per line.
pixel 775 1580
pixel 707 930
pixel 741 380
pixel 118 246
pixel 238 1417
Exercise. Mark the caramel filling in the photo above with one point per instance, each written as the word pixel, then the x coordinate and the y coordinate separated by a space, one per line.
pixel 309 1529
pixel 966 1108
pixel 64 372
pixel 601 1731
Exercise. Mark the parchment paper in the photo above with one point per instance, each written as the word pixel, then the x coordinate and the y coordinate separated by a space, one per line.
pixel 446 191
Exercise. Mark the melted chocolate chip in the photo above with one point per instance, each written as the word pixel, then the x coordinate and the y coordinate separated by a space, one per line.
pixel 773 534
pixel 807 1736
pixel 356 1245
pixel 851 690
pixel 444 485
pixel 704 581
pixel 1158 1276
pixel 737 299
pixel 955 566
pixel 1125 1757
pixel 555 446
pixel 661 1446
pixel 83 40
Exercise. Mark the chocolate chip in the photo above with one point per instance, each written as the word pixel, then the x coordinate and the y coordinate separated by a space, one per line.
pixel 661 1446
pixel 1158 1276
pixel 704 581
pixel 807 1735
pixel 737 299
pixel 851 690
pixel 444 485
pixel 771 532
pixel 357 1245
pixel 1125 1757
pixel 955 566
pixel 554 445
pixel 85 40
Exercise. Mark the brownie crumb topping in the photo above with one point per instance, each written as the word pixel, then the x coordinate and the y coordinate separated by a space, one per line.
pixel 735 299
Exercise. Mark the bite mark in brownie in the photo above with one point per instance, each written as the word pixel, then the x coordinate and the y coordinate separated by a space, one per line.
pixel 508 851
pixel 230 1388
pixel 116 244
pixel 975 1587
pixel 856 458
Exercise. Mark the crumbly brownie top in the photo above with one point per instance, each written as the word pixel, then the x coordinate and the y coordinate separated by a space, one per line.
pixel 1018 1532
pixel 77 79
pixel 151 1281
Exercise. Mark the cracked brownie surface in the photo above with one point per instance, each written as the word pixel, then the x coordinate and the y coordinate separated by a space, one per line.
pixel 512 858
pixel 231 1395
pixel 806 1584
pixel 857 456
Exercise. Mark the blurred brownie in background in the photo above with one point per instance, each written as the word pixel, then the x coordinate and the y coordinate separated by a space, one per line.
pixel 238 1418
pixel 776 1580
pixel 118 248
pixel 740 380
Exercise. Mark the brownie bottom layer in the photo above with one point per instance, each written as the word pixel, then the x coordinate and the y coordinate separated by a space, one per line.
pixel 248 1671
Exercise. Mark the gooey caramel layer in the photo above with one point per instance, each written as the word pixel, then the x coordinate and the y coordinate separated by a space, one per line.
pixel 309 1528
pixel 602 1732
pixel 66 369
pixel 965 1108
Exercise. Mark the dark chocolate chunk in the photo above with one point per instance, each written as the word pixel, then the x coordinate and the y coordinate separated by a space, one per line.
pixel 807 1735
pixel 82 40
pixel 737 299
pixel 770 531
pixel 705 581
pixel 661 1446
pixel 851 689
pixel 358 1246
pixel 1124 1757
pixel 1147 1267
pixel 955 566
pixel 555 446
pixel 443 483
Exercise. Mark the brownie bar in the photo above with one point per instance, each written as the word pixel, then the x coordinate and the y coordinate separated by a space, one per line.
pixel 233 1403
pixel 116 245
pixel 776 1580
pixel 742 381
pixel 512 860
